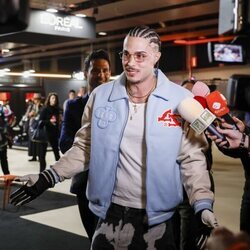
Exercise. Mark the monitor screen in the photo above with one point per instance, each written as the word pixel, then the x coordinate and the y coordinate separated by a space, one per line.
pixel 226 53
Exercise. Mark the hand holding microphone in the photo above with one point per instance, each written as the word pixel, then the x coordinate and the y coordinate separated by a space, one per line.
pixel 200 119
pixel 217 104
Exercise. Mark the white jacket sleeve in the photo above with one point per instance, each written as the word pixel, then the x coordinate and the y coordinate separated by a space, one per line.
pixel 76 159
pixel 194 173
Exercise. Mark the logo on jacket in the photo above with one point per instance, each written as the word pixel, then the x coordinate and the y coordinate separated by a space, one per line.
pixel 105 116
pixel 169 119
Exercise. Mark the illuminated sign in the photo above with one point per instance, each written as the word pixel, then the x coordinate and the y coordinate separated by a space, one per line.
pixel 64 24
pixel 58 24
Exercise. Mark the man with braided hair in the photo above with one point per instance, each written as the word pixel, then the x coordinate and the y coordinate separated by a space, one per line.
pixel 138 155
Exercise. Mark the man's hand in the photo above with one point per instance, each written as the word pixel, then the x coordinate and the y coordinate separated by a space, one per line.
pixel 206 222
pixel 36 184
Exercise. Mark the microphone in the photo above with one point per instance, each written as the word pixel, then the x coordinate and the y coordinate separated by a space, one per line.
pixel 217 104
pixel 202 100
pixel 200 89
pixel 200 119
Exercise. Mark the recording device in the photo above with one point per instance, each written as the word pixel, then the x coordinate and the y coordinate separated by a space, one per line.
pixel 200 119
pixel 217 104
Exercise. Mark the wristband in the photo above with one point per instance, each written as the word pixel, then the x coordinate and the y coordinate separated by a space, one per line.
pixel 242 142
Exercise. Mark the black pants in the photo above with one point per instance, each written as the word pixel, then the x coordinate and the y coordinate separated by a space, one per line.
pixel 43 151
pixel 127 228
pixel 3 159
pixel 245 208
pixel 78 187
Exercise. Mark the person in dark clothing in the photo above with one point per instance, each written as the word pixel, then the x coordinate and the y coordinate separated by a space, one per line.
pixel 97 71
pixel 3 143
pixel 33 112
pixel 239 147
pixel 50 118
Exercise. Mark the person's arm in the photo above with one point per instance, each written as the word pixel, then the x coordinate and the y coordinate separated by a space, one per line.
pixel 235 138
pixel 67 130
pixel 43 118
pixel 74 161
pixel 238 139
pixel 194 171
pixel 196 181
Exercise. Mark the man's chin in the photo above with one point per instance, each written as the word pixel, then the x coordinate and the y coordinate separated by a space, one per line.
pixel 132 79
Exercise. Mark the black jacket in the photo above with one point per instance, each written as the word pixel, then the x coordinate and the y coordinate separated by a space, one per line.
pixel 71 122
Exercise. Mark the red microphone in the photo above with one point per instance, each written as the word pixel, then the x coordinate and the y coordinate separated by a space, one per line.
pixel 217 104
pixel 202 100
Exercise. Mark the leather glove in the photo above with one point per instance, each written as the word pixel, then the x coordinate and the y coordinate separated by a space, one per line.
pixel 36 184
pixel 206 223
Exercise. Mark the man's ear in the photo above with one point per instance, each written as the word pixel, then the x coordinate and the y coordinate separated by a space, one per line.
pixel 157 56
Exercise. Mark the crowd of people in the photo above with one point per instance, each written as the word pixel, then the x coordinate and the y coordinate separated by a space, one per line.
pixel 132 192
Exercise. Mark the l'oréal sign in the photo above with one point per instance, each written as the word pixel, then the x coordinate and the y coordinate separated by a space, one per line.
pixel 43 22
pixel 61 24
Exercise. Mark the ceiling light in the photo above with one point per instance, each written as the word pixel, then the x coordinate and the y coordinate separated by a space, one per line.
pixel 4 71
pixel 102 33
pixel 26 74
pixel 78 75
pixel 80 15
pixel 162 24
pixel 5 50
pixel 51 10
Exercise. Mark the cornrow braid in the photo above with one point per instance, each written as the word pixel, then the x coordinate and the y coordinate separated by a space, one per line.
pixel 146 32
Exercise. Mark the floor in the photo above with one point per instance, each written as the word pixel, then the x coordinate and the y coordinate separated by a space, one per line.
pixel 228 176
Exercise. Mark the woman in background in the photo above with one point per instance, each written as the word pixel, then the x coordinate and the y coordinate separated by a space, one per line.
pixel 50 117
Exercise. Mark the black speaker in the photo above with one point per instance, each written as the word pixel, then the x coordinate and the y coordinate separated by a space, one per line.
pixel 238 92
pixel 14 15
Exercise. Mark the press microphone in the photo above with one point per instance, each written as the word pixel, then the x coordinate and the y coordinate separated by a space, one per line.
pixel 200 89
pixel 200 119
pixel 202 100
pixel 217 104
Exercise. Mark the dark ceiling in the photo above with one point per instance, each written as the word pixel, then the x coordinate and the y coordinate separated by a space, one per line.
pixel 172 19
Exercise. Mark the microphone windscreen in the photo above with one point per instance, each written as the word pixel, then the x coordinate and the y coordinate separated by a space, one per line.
pixel 200 89
pixel 217 103
pixel 189 109
pixel 202 100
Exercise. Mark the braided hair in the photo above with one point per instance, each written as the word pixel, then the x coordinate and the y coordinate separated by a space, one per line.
pixel 147 33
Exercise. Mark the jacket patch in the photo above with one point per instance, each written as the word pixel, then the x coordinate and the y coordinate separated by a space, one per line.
pixel 105 116
pixel 169 119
